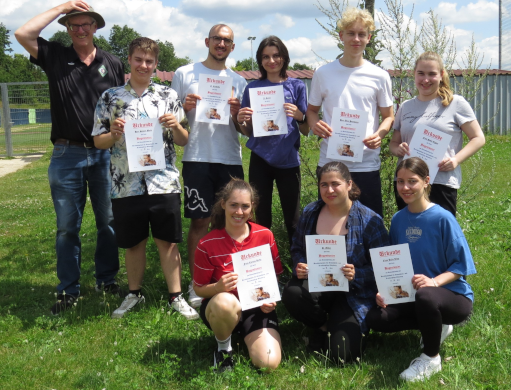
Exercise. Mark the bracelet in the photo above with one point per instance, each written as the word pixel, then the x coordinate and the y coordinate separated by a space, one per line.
pixel 434 282
pixel 302 121
pixel 241 124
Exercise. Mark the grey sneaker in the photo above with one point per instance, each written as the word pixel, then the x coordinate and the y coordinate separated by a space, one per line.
pixel 446 331
pixel 179 304
pixel 421 368
pixel 193 299
pixel 129 303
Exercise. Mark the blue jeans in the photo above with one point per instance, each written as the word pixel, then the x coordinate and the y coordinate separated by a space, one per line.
pixel 71 170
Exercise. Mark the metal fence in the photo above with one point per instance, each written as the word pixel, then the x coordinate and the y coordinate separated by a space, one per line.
pixel 25 118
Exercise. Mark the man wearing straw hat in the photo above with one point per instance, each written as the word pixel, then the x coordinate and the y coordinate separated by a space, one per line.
pixel 77 76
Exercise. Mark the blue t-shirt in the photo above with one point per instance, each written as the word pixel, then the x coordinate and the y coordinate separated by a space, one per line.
pixel 280 151
pixel 437 245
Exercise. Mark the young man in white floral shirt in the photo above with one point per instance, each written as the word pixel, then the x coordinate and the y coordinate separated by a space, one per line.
pixel 150 197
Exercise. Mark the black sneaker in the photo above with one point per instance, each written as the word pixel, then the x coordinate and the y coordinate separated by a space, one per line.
pixel 222 361
pixel 112 289
pixel 317 341
pixel 64 302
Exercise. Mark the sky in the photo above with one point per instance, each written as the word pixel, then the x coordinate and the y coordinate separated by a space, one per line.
pixel 186 23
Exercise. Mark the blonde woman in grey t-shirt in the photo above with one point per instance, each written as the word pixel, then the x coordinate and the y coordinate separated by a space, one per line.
pixel 437 107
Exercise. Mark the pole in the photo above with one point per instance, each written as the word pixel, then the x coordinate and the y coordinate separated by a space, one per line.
pixel 7 121
pixel 251 51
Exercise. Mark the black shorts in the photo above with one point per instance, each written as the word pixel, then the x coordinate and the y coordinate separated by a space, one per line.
pixel 134 214
pixel 202 181
pixel 250 321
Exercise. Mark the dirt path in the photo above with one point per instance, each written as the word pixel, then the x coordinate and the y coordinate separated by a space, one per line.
pixel 12 165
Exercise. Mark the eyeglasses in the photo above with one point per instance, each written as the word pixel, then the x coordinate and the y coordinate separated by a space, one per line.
pixel 217 40
pixel 275 57
pixel 85 27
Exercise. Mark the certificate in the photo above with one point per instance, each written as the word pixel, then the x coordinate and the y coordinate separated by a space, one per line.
pixel 430 145
pixel 144 145
pixel 257 282
pixel 393 271
pixel 214 91
pixel 349 129
pixel 326 255
pixel 269 117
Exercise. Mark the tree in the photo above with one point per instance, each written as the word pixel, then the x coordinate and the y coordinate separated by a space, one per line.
pixel 62 37
pixel 245 64
pixel 18 67
pixel 4 41
pixel 298 66
pixel 120 39
pixel 167 59
pixel 102 43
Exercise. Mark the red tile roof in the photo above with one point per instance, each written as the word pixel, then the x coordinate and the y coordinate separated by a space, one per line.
pixel 307 74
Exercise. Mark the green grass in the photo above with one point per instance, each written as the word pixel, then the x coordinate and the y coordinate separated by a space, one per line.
pixel 32 138
pixel 151 349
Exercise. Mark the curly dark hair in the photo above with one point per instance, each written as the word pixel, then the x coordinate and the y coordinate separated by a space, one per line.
pixel 218 212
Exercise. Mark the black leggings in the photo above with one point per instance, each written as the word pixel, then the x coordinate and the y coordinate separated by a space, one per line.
pixel 433 307
pixel 330 308
pixel 262 175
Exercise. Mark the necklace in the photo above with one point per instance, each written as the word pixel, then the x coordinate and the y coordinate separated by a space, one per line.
pixel 234 242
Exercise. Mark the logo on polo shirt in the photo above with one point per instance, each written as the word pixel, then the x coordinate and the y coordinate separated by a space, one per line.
pixel 102 71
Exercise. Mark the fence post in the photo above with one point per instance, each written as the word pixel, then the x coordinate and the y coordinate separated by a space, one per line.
pixel 6 118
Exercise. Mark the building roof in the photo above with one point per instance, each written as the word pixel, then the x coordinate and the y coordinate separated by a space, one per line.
pixel 307 74
pixel 246 74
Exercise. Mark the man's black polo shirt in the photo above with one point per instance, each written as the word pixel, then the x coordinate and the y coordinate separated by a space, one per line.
pixel 75 87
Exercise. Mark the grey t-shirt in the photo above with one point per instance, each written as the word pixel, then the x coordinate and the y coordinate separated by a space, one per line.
pixel 209 142
pixel 415 113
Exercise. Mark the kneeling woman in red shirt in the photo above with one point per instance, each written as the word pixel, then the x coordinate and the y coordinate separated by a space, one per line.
pixel 215 280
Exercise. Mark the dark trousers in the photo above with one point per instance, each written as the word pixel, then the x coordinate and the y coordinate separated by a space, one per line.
pixel 370 189
pixel 433 307
pixel 441 195
pixel 261 176
pixel 330 308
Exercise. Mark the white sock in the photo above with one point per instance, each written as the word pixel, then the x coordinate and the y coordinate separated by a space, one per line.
pixel 224 345
pixel 436 359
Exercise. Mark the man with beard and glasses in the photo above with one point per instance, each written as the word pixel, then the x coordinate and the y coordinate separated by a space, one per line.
pixel 212 156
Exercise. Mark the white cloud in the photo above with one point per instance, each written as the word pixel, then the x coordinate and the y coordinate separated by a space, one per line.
pixel 482 11
pixel 277 24
pixel 244 10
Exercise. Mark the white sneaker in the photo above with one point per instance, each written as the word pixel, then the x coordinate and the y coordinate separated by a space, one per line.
pixel 179 304
pixel 129 303
pixel 193 299
pixel 421 368
pixel 446 331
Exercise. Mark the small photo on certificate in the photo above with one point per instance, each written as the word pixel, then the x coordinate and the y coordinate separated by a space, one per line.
pixel 212 113
pixel 269 125
pixel 260 294
pixel 330 280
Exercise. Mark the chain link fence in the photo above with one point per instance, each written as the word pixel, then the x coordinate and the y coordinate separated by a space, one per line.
pixel 25 118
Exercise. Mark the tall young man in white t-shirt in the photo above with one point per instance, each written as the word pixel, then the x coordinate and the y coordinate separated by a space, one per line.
pixel 213 152
pixel 354 83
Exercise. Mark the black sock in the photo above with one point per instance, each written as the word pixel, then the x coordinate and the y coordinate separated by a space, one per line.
pixel 173 296
pixel 136 292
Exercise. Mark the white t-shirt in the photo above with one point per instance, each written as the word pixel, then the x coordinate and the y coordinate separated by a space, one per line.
pixel 208 142
pixel 366 88
pixel 415 113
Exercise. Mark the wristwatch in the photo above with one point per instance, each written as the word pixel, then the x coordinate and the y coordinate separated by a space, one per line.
pixel 302 121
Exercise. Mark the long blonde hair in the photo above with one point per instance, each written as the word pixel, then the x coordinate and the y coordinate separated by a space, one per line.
pixel 444 91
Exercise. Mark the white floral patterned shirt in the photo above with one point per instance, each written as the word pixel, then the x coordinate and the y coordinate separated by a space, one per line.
pixel 123 102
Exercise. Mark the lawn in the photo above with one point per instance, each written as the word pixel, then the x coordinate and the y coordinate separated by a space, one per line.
pixel 154 349
pixel 32 138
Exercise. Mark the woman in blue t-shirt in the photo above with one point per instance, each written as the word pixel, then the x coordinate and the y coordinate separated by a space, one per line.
pixel 275 158
pixel 441 260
